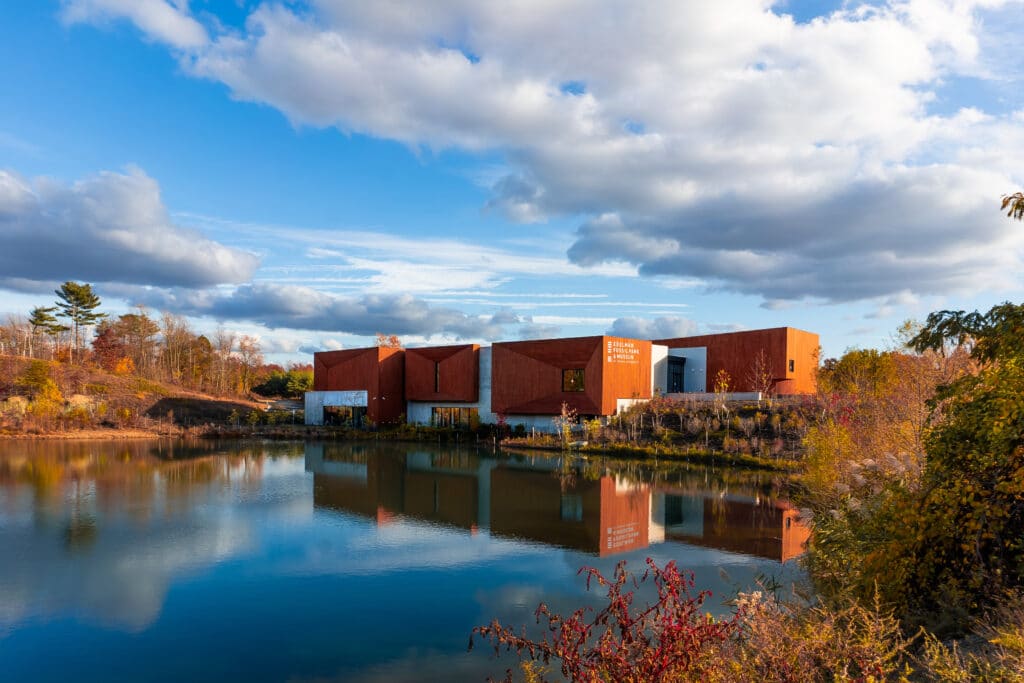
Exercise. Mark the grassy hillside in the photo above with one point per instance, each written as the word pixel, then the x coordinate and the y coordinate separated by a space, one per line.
pixel 46 397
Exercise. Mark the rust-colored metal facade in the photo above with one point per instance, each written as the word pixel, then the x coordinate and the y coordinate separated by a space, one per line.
pixel 527 376
pixel 378 371
pixel 792 357
pixel 443 373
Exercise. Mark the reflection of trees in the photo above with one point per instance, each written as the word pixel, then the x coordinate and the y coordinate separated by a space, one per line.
pixel 129 477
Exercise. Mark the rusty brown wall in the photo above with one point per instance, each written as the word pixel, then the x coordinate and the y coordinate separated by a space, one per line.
pixel 526 376
pixel 625 371
pixel 804 348
pixel 347 370
pixel 735 352
pixel 378 371
pixel 390 403
pixel 458 373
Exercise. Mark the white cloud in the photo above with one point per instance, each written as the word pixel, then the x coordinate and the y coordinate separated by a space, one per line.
pixel 721 143
pixel 110 227
pixel 166 22
pixel 657 328
pixel 291 306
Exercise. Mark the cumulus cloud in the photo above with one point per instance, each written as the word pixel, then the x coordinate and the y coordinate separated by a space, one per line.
pixel 291 306
pixel 533 330
pixel 111 227
pixel 803 161
pixel 657 328
pixel 924 230
pixel 165 22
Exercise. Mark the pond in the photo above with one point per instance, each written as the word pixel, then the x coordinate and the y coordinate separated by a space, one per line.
pixel 172 561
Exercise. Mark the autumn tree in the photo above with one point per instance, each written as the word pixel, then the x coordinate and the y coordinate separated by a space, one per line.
pixel 201 361
pixel 937 534
pixel 1013 204
pixel 223 360
pixel 250 358
pixel 759 375
pixel 78 303
pixel 177 338
pixel 131 336
pixel 388 341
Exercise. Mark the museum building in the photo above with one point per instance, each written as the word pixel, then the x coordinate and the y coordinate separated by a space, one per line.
pixel 529 382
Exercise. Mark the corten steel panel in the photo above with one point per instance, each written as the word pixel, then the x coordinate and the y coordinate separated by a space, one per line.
pixel 526 376
pixel 391 388
pixel 348 370
pixel 625 372
pixel 376 370
pixel 458 373
pixel 736 353
pixel 804 348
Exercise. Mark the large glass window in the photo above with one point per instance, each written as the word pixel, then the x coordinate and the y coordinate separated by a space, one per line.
pixel 455 417
pixel 572 379
pixel 344 416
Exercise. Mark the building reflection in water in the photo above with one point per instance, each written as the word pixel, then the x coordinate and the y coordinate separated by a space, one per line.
pixel 547 500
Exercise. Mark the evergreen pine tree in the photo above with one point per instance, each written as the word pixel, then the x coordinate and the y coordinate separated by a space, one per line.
pixel 78 303
pixel 42 320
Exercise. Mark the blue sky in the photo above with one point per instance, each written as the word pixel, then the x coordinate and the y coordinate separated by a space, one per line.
pixel 313 172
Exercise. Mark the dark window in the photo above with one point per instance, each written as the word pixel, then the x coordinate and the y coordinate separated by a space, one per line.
pixel 572 380
pixel 792 364
pixel 455 417
pixel 344 416
pixel 676 374
pixel 437 376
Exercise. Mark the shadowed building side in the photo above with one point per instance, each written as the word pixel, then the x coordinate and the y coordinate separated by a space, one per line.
pixel 342 375
pixel 443 373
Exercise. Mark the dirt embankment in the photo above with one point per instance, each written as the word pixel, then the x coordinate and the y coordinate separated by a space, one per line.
pixel 90 403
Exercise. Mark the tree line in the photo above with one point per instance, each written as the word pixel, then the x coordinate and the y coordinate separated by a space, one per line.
pixel 161 347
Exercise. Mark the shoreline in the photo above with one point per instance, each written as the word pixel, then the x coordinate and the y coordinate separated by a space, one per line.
pixel 91 435
pixel 299 433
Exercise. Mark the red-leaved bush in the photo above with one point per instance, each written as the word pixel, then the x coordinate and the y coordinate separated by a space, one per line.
pixel 660 641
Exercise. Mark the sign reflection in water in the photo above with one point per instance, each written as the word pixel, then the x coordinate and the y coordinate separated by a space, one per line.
pixel 137 561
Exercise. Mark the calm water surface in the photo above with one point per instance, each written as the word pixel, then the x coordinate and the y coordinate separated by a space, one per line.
pixel 337 562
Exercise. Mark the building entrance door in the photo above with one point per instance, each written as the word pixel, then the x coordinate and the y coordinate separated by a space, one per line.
pixel 676 374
